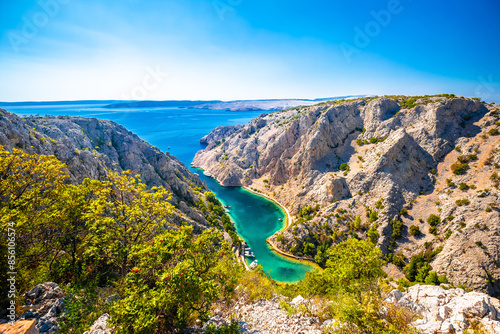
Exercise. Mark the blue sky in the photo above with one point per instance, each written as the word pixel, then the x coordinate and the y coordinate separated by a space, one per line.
pixel 247 49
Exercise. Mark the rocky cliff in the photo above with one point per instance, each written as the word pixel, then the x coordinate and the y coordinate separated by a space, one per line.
pixel 91 148
pixel 392 161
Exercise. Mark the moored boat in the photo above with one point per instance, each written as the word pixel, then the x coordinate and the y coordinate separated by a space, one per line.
pixel 254 264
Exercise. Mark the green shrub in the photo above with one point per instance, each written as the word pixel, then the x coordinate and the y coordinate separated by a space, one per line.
pixel 433 220
pixel 433 230
pixel 463 201
pixel 308 248
pixel 353 266
pixel 179 275
pixel 233 328
pixel 344 167
pixel 414 230
pixel 432 278
pixel 396 228
pixel 403 212
pixel 463 186
pixel 423 272
pixel 81 312
pixel 256 285
pixel 459 168
pixel 356 225
pixel 493 132
pixel 373 235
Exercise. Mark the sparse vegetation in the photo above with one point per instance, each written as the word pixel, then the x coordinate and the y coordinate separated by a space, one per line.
pixel 463 201
pixel 493 132
pixel 433 220
pixel 463 186
pixel 459 168
pixel 415 230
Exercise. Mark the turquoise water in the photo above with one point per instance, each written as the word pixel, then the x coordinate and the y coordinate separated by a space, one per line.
pixel 179 130
pixel 257 218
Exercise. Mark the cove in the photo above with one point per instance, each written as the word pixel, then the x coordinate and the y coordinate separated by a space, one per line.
pixel 179 130
pixel 256 218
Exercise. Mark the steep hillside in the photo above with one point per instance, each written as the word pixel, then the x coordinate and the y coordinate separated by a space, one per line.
pixel 386 160
pixel 91 147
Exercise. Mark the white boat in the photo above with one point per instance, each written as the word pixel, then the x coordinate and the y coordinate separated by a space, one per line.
pixel 207 174
pixel 254 264
pixel 249 254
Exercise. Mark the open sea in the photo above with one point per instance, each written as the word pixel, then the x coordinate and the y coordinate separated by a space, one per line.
pixel 178 130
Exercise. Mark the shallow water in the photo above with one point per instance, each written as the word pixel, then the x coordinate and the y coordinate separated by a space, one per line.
pixel 178 131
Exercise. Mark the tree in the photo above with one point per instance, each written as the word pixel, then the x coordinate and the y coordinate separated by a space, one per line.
pixel 30 186
pixel 423 272
pixel 373 235
pixel 174 281
pixel 357 223
pixel 373 216
pixel 396 228
pixel 124 213
pixel 305 211
pixel 353 266
pixel 308 248
pixel 71 210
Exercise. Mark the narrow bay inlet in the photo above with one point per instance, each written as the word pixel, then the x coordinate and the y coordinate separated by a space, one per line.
pixel 256 219
pixel 249 167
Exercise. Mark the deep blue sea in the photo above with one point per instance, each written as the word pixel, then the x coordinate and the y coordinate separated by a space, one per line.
pixel 179 130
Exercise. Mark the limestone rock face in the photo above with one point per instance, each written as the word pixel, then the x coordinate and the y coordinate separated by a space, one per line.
pixel 378 156
pixel 100 326
pixel 91 147
pixel 44 304
pixel 219 133
pixel 451 310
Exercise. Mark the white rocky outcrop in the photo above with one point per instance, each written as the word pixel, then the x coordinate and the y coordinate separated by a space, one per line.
pixel 100 326
pixel 451 310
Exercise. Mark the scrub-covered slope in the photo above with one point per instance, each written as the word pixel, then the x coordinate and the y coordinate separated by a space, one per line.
pixel 386 160
pixel 91 147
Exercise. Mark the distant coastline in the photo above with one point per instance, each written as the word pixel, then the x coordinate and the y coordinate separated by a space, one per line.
pixel 237 105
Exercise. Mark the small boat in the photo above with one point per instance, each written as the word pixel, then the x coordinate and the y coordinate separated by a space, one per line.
pixel 254 264
pixel 227 207
pixel 249 254
pixel 207 174
pixel 280 219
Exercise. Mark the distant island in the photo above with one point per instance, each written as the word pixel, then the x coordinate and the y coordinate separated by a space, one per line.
pixel 238 105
